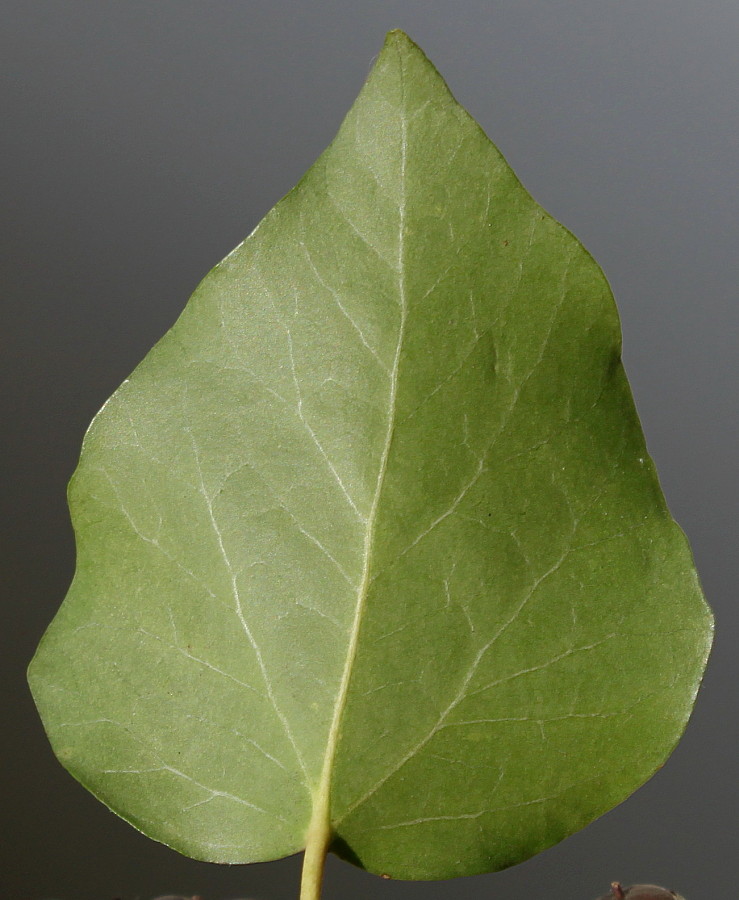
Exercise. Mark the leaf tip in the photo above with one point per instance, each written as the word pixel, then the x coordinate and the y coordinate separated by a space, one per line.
pixel 397 35
pixel 400 61
pixel 397 40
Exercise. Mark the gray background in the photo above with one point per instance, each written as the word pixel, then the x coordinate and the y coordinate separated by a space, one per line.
pixel 142 141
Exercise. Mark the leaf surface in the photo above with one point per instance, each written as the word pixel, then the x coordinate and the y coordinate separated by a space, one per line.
pixel 371 538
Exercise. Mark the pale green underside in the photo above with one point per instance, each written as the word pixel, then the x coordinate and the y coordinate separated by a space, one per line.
pixel 532 632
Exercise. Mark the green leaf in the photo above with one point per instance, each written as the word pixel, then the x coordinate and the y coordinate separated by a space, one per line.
pixel 370 548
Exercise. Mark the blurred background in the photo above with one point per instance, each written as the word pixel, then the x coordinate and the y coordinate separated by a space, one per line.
pixel 141 141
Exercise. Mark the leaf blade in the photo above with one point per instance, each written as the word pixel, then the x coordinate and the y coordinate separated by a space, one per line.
pixel 362 450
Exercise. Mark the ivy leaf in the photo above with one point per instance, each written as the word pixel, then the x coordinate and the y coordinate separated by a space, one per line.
pixel 371 554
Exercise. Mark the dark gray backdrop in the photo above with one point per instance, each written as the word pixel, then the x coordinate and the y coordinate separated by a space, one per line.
pixel 141 141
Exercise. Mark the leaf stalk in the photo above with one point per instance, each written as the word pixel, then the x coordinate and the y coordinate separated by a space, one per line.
pixel 316 847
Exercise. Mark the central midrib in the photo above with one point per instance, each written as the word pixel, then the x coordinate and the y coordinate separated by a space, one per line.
pixel 320 831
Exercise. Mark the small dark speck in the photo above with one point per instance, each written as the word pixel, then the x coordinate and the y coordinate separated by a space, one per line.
pixel 505 243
